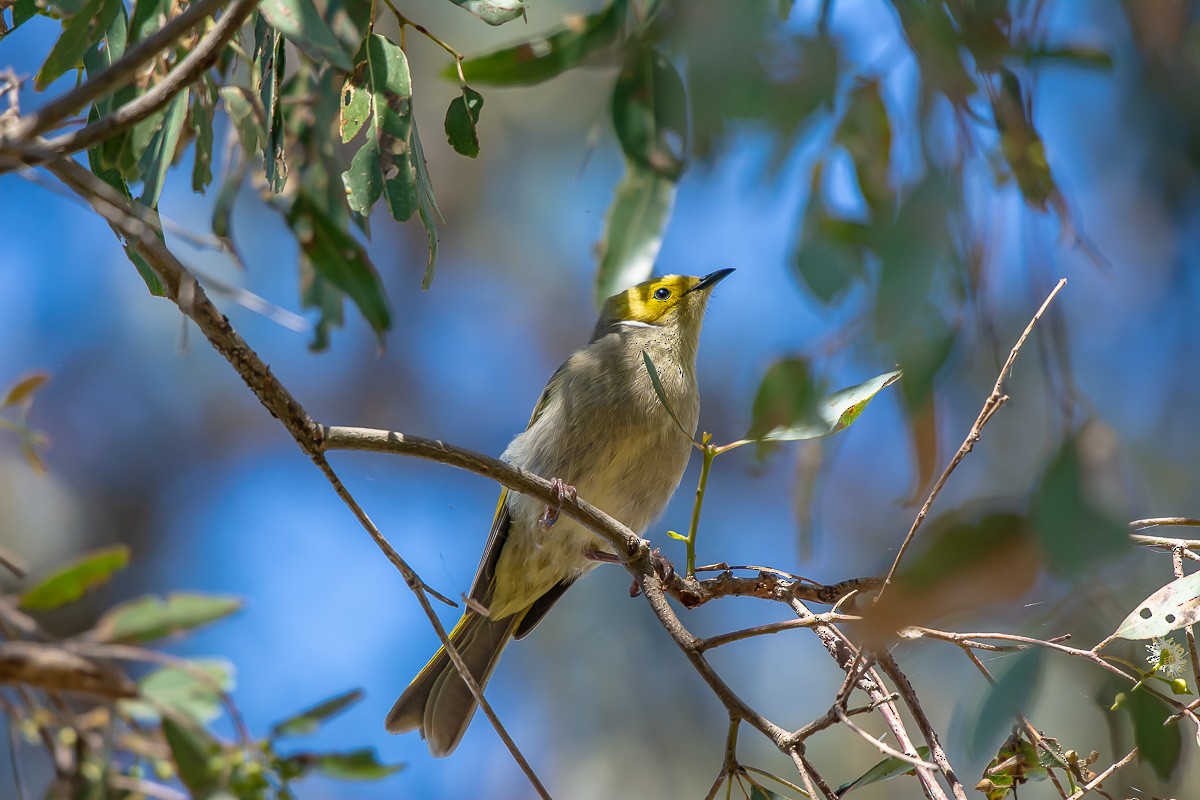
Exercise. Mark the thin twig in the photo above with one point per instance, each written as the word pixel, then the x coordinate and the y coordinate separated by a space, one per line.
pixel 887 750
pixel 1177 568
pixel 990 406
pixel 1103 776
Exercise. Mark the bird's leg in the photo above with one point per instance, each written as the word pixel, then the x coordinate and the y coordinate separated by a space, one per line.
pixel 562 491
pixel 604 557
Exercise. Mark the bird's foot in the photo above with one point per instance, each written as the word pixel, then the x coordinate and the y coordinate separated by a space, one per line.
pixel 602 556
pixel 562 491
pixel 662 566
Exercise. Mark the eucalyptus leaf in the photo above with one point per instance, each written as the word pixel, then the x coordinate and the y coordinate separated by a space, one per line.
pixel 1009 696
pixel 310 719
pixel 147 618
pixel 886 769
pixel 72 581
pixel 649 113
pixel 183 692
pixel 158 156
pixel 462 120
pixel 633 230
pixel 192 750
pixel 1172 607
pixel 354 765
pixel 540 59
pixel 493 12
pixel 80 31
pixel 203 109
pixel 836 412
pixel 303 26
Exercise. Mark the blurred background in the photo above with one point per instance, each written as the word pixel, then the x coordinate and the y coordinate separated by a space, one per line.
pixel 155 442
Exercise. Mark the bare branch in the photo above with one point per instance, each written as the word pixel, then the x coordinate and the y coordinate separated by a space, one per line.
pixel 1103 776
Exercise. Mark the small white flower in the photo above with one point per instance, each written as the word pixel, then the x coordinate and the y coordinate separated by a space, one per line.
pixel 1167 657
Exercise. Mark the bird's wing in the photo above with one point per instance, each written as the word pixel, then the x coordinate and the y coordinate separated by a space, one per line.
pixel 481 587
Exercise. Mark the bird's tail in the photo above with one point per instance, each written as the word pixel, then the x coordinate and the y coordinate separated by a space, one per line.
pixel 438 702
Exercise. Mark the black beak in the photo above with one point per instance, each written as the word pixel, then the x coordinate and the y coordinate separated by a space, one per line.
pixel 712 279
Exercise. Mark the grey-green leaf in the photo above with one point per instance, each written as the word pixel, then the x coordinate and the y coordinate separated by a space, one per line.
pixel 835 413
pixel 79 32
pixel 493 12
pixel 157 158
pixel 302 25
pixel 194 693
pixel 355 765
pixel 150 617
pixel 887 769
pixel 1172 607
pixel 649 113
pixel 1011 695
pixel 633 230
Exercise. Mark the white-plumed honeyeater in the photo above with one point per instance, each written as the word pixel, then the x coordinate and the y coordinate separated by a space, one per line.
pixel 599 428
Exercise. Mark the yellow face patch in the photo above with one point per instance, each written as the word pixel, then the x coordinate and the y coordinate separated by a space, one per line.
pixel 651 301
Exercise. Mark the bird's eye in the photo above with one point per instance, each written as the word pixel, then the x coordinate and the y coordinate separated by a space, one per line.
pixel 662 293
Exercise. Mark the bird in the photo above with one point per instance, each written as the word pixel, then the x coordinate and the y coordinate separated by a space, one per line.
pixel 598 431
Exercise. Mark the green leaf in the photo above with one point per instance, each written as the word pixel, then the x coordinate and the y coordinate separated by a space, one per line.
pixel 203 108
pixel 71 582
pixel 836 412
pixel 147 618
pixel 543 58
pixel 355 100
pixel 148 17
pixel 1021 144
pixel 246 113
pixel 158 156
pixel 1070 526
pixel 911 249
pixel 355 765
pixel 192 751
pixel 384 165
pixel 339 258
pixel 830 256
pixel 22 12
pixel 269 70
pixel 462 120
pixel 493 12
pixel 887 769
pixel 427 207
pixel 299 21
pixel 310 719
pixel 79 33
pixel 1011 695
pixel 633 230
pixel 762 793
pixel 1159 744
pixel 787 394
pixel 866 134
pixel 183 692
pixel 656 382
pixel 649 112
pixel 1172 607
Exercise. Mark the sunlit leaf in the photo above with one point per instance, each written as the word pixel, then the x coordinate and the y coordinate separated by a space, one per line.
pixel 24 388
pixel 194 693
pixel 493 12
pixel 633 230
pixel 299 21
pixel 340 259
pixel 649 113
pixel 1011 695
pixel 544 58
pixel 71 582
pixel 79 32
pixel 890 767
pixel 310 719
pixel 834 413
pixel 1172 607
pixel 462 120
pixel 158 156
pixel 147 618
pixel 1071 527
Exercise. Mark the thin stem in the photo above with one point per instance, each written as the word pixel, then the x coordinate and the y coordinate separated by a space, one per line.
pixel 1103 776
pixel 710 452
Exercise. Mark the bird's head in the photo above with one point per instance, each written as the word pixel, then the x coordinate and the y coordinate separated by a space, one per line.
pixel 672 301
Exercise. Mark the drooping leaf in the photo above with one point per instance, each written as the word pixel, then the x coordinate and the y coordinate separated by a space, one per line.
pixel 354 765
pixel 427 207
pixel 1172 607
pixel 1071 527
pixel 203 109
pixel 269 71
pixel 384 165
pixel 866 134
pixel 834 413
pixel 544 58
pixel 633 230
pixel 158 156
pixel 462 120
pixel 934 41
pixel 887 769
pixel 72 581
pixel 194 693
pixel 911 249
pixel 339 258
pixel 355 99
pixel 299 21
pixel 493 12
pixel 656 382
pixel 308 720
pixel 1022 145
pixel 1009 696
pixel 80 31
pixel 192 750
pixel 147 618
pixel 24 388
pixel 649 112
pixel 246 113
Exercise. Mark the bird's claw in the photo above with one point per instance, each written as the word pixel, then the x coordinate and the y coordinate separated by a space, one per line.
pixel 562 491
